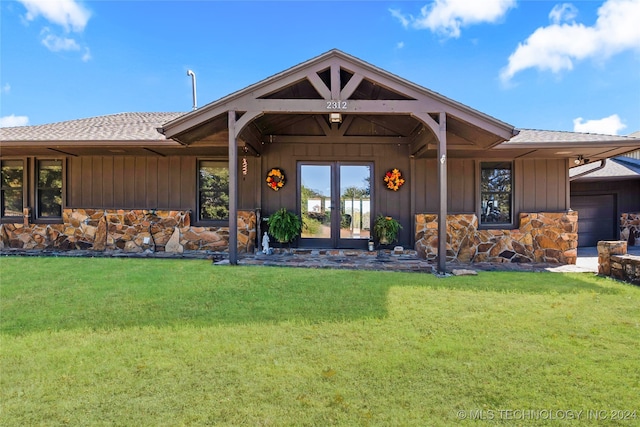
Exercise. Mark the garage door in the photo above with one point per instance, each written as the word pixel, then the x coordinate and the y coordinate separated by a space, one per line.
pixel 596 218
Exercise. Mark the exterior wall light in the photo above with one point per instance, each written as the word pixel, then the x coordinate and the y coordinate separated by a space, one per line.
pixel 581 160
pixel 335 117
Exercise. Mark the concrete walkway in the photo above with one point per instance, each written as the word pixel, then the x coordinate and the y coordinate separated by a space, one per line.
pixel 587 261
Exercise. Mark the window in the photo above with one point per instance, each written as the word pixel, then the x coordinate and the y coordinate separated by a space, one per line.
pixel 213 190
pixel 12 187
pixel 495 192
pixel 49 190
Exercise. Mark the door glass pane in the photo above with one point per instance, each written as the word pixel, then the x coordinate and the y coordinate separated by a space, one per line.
pixel 355 202
pixel 315 201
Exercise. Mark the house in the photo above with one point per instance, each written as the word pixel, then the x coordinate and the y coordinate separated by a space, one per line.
pixel 606 193
pixel 334 139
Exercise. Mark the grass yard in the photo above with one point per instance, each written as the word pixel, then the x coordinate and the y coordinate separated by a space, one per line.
pixel 148 342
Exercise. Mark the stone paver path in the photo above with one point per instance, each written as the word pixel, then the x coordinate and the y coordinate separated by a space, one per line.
pixel 383 260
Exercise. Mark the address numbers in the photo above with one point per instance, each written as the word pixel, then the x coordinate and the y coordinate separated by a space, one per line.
pixel 336 105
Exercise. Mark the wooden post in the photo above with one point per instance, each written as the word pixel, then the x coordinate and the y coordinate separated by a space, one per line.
pixel 442 194
pixel 412 199
pixel 233 190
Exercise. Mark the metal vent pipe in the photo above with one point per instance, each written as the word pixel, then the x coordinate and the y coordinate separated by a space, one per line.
pixel 193 88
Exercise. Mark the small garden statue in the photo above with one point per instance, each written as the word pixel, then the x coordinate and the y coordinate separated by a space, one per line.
pixel 265 244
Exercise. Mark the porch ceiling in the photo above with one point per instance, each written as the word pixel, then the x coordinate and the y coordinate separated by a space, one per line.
pixel 354 129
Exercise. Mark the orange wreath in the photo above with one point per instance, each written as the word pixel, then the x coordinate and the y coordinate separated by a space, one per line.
pixel 275 179
pixel 394 179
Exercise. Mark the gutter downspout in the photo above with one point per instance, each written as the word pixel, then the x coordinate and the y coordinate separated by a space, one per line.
pixel 603 162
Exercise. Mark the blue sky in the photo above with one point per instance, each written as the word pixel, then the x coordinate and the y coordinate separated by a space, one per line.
pixel 568 66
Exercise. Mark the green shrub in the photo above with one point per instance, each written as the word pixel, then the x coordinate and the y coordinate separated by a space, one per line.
pixel 284 226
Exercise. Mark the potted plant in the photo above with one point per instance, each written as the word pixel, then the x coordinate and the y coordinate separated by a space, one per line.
pixel 386 229
pixel 284 226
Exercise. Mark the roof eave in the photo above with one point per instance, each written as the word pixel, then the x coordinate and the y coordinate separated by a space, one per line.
pixel 87 143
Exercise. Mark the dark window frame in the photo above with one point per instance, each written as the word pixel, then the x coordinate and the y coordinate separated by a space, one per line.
pixel 217 162
pixel 38 217
pixel 484 209
pixel 23 187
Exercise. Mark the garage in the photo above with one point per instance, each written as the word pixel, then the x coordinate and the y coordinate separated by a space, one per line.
pixel 596 218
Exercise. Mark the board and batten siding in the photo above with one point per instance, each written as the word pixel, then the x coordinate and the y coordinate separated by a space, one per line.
pixel 144 182
pixel 539 185
pixel 461 187
pixel 122 182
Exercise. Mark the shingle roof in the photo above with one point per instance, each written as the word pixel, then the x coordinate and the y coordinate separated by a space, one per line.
pixel 143 127
pixel 527 136
pixel 617 167
pixel 112 127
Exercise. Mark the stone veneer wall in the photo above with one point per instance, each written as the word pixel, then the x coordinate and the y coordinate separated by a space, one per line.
pixel 614 261
pixel 630 228
pixel 541 237
pixel 127 231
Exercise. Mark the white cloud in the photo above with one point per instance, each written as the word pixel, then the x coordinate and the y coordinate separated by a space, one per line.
pixel 556 47
pixel 447 17
pixel 565 12
pixel 13 120
pixel 87 55
pixel 56 43
pixel 399 45
pixel 404 21
pixel 611 125
pixel 6 88
pixel 69 14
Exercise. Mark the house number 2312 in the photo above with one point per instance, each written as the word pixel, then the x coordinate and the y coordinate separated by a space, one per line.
pixel 336 105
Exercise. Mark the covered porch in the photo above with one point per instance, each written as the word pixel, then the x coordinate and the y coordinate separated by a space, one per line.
pixel 335 111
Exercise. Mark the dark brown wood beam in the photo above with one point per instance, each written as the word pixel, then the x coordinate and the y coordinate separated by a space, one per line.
pixel 351 86
pixel 442 194
pixel 154 152
pixel 421 141
pixel 321 139
pixel 319 85
pixel 252 138
pixel 335 82
pixel 63 152
pixel 233 190
pixel 323 125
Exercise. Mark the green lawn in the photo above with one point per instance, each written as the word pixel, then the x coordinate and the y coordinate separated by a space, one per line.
pixel 148 342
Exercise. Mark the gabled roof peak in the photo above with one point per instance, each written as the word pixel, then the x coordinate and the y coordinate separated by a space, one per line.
pixel 318 73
